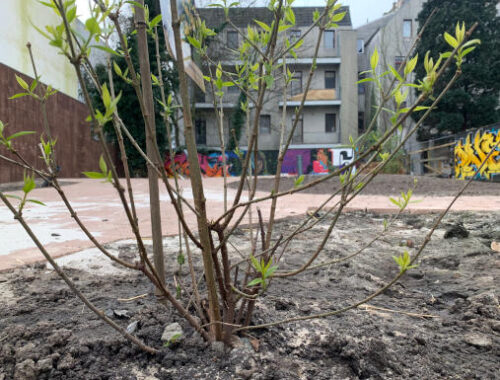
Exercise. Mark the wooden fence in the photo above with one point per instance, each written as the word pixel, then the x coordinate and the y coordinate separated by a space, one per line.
pixel 77 151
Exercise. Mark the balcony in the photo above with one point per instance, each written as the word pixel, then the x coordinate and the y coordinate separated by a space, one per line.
pixel 315 98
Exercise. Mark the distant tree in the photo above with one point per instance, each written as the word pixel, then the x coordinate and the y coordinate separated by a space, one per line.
pixel 474 99
pixel 128 107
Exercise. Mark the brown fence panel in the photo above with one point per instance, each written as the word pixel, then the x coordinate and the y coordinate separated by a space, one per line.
pixel 76 150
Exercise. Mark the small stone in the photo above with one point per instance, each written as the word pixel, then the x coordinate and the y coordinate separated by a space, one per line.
pixel 67 362
pixel 121 313
pixel 478 340
pixel 172 332
pixel 457 230
pixel 45 365
pixel 25 370
pixel 109 313
pixel 131 328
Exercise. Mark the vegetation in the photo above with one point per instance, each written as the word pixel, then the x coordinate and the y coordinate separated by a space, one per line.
pixel 128 105
pixel 474 99
pixel 224 295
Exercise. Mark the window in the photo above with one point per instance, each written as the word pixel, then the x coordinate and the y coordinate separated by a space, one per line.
pixel 398 61
pixel 296 84
pixel 407 28
pixel 361 86
pixel 330 123
pixel 265 124
pixel 200 128
pixel 329 39
pixel 329 79
pixel 295 35
pixel 232 40
pixel 298 135
pixel 360 46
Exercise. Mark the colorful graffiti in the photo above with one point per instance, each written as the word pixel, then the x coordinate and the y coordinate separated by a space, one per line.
pixel 316 161
pixel 211 164
pixel 469 155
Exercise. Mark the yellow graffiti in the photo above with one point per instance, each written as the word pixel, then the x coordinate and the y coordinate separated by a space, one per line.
pixel 469 156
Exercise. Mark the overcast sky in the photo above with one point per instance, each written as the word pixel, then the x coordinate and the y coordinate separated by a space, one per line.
pixel 361 10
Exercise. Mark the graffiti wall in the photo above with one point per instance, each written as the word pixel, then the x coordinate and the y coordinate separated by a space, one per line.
pixel 472 151
pixel 211 164
pixel 316 161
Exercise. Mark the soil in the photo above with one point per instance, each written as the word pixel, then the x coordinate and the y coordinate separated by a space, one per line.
pixel 389 184
pixel 46 333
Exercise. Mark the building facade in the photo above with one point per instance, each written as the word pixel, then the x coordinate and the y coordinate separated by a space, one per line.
pixel 393 35
pixel 329 116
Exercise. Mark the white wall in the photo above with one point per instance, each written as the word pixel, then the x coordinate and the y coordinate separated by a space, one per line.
pixel 16 29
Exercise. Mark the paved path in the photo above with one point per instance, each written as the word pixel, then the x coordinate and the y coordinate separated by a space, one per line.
pixel 98 206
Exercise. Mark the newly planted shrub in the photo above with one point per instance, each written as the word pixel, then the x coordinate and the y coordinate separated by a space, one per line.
pixel 231 289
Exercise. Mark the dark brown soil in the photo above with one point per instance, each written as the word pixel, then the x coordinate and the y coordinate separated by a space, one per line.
pixel 390 184
pixel 46 333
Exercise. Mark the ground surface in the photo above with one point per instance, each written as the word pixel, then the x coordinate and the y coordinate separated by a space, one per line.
pixel 46 333
pixel 98 207
pixel 390 184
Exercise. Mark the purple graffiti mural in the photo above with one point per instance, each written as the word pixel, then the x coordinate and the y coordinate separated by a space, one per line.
pixel 316 161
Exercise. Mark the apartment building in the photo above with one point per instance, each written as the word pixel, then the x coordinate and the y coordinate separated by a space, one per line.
pixel 393 35
pixel 330 112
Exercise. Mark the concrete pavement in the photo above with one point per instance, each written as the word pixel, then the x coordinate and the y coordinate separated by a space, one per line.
pixel 99 208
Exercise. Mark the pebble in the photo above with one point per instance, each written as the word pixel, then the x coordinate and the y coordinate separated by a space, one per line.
pixel 172 331
pixel 478 340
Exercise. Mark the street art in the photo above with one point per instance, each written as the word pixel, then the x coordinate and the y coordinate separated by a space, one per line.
pixel 316 161
pixel 469 155
pixel 211 164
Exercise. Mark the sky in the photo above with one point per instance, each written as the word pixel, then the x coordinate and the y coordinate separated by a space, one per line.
pixel 361 10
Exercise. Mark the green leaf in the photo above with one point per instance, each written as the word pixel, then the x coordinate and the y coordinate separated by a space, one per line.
pixel 94 175
pixel 255 281
pixel 93 26
pixel 107 50
pixel 14 196
pixel 396 202
pixel 365 80
pixel 193 41
pixel 102 165
pixel 20 95
pixel 155 21
pixel 29 184
pixel 374 60
pixel 411 64
pixel 451 40
pixel 22 83
pixel 299 181
pixel 263 25
pixel 19 134
pixel 36 202
pixel 271 270
pixel 396 73
pixel 255 263
pixel 337 17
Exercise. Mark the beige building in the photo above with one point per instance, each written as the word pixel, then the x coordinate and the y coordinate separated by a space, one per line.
pixel 393 35
pixel 330 112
